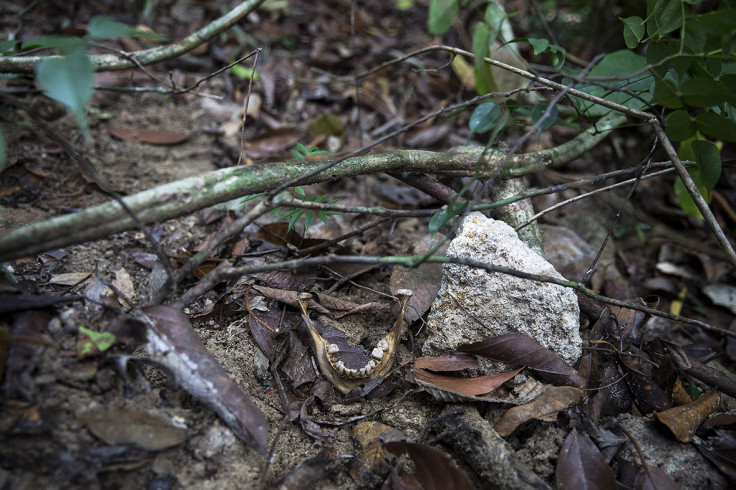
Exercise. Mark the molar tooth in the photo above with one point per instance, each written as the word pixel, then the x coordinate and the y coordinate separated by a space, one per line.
pixel 377 353
pixel 340 366
pixel 382 344
pixel 332 348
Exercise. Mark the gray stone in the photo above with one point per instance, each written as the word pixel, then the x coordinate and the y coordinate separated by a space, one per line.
pixel 504 304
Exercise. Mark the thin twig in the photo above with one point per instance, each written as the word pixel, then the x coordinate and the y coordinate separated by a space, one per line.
pixel 212 279
pixel 692 189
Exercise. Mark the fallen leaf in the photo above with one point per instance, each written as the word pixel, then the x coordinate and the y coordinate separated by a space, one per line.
pixel 298 367
pixel 309 473
pixel 479 385
pixel 70 278
pixel 654 478
pixel 581 465
pixel 423 280
pixel 434 470
pixel 544 408
pixel 274 141
pixel 519 349
pixel 125 426
pixel 370 465
pixel 91 343
pixel 152 136
pixel 448 362
pixel 684 420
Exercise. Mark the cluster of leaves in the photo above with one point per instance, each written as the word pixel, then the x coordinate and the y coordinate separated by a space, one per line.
pixel 69 79
pixel 689 70
pixel 295 215
pixel 692 62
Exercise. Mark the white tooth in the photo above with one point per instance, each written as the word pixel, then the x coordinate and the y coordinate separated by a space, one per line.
pixel 352 373
pixel 377 353
pixel 371 364
pixel 332 348
pixel 382 344
pixel 340 366
pixel 363 372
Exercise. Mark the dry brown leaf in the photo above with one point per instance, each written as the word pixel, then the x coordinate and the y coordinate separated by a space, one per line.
pixel 543 408
pixel 449 362
pixel 684 420
pixel 465 386
pixel 152 136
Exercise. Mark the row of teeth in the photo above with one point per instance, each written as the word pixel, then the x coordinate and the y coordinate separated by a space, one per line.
pixel 365 371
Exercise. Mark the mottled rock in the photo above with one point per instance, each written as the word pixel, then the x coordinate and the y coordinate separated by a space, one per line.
pixel 494 304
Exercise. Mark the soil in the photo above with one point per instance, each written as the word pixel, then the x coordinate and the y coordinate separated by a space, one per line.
pixel 51 395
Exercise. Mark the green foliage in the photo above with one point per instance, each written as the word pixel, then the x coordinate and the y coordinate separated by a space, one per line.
pixel 302 152
pixel 68 80
pixel 441 218
pixel 92 343
pixel 294 215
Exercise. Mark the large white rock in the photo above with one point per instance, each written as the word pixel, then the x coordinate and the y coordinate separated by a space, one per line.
pixel 504 304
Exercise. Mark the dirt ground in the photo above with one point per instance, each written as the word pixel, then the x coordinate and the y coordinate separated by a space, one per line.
pixel 111 420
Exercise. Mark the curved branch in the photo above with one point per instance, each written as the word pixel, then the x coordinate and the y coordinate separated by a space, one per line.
pixel 188 195
pixel 105 62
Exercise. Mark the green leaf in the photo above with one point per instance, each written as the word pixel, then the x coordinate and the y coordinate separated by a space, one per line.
pixel 297 155
pixel 702 92
pixel 665 94
pixel 8 47
pixel 663 17
pixel 440 219
pixel 683 196
pixel 300 190
pixel 495 16
pixel 707 158
pixel 633 30
pixel 308 218
pixel 63 44
pixel 250 197
pixel 442 14
pixel 539 45
pixel 68 80
pixel 303 149
pixel 484 117
pixel 323 216
pixel 102 27
pixel 294 219
pixel 484 81
pixel 716 126
pixel 92 343
pixel 244 72
pixel 538 111
pixel 275 211
pixel 679 126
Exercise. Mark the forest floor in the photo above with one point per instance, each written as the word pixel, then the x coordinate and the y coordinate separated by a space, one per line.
pixel 71 420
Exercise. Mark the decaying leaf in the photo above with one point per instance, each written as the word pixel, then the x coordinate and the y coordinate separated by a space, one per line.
pixel 521 350
pixel 152 136
pixel 311 427
pixel 449 362
pixel 434 470
pixel 154 432
pixel 370 466
pixel 544 408
pixel 174 344
pixel 684 420
pixel 479 385
pixel 422 280
pixel 312 471
pixel 581 465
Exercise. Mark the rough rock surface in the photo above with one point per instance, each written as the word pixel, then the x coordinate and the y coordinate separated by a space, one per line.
pixel 504 304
